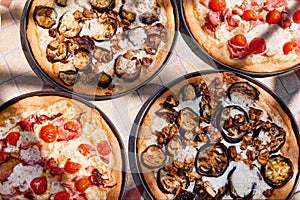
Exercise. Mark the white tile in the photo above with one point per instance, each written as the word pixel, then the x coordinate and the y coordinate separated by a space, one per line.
pixel 17 62
pixel 290 81
pixel 6 18
pixel 4 72
pixel 8 90
pixel 29 82
pixel 10 38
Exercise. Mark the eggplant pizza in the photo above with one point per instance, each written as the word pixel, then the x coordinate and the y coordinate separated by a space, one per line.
pixel 100 47
pixel 257 36
pixel 217 136
pixel 54 147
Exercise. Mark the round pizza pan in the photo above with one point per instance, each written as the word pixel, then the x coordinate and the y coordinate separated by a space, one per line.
pixel 205 56
pixel 134 161
pixel 44 76
pixel 88 104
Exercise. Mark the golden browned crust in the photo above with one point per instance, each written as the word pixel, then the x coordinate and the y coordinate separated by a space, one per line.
pixel 35 103
pixel 266 102
pixel 195 21
pixel 92 89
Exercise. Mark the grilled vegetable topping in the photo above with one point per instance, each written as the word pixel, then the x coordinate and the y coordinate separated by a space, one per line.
pixel 185 195
pixel 174 144
pixel 82 60
pixel 187 119
pixel 278 171
pixel 101 5
pixel 243 88
pixel 190 92
pixel 212 159
pixel 128 69
pixel 137 36
pixel 233 123
pixel 170 102
pixel 103 55
pixel 45 16
pixel 152 43
pixel 272 137
pixel 56 50
pixel 243 176
pixel 68 77
pixel 206 111
pixel 171 181
pixel 69 26
pixel 205 190
pixel 126 14
pixel 104 80
pixel 104 27
pixel 61 3
pixel 153 157
pixel 148 18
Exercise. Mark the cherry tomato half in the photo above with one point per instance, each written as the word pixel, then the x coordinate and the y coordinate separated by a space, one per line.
pixel 63 195
pixel 258 45
pixel 49 133
pixel 72 167
pixel 249 15
pixel 39 185
pixel 217 5
pixel 274 17
pixel 296 17
pixel 239 40
pixel 103 148
pixel 82 184
pixel 288 47
pixel 12 138
pixel 85 149
pixel 71 126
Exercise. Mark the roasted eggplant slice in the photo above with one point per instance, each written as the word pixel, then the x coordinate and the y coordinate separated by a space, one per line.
pixel 56 50
pixel 174 145
pixel 149 18
pixel 190 92
pixel 126 14
pixel 104 80
pixel 137 36
pixel 169 182
pixel 205 190
pixel 61 3
pixel 153 157
pixel 103 55
pixel 278 171
pixel 85 43
pixel 68 25
pixel 102 5
pixel 206 111
pixel 212 159
pixel 104 27
pixel 272 136
pixel 45 16
pixel 186 195
pixel 127 69
pixel 187 119
pixel 241 90
pixel 248 177
pixel 82 60
pixel 152 43
pixel 171 102
pixel 233 123
pixel 68 77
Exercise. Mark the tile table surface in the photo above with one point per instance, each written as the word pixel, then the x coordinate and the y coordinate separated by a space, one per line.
pixel 17 77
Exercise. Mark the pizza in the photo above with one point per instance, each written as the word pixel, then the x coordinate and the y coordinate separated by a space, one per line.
pixel 100 47
pixel 54 147
pixel 258 36
pixel 216 135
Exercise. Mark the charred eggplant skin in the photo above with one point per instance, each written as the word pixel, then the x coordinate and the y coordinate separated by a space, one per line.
pixel 279 136
pixel 243 88
pixel 128 15
pixel 104 80
pixel 68 77
pixel 275 162
pixel 122 74
pixel 43 16
pixel 205 156
pixel 186 195
pixel 102 5
pixel 220 124
pixel 181 181
pixel 153 157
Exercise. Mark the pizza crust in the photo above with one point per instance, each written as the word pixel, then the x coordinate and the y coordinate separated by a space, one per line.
pixel 266 101
pixel 39 55
pixel 34 103
pixel 219 51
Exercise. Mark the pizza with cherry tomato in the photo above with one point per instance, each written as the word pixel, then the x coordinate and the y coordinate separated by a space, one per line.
pixel 57 148
pixel 100 47
pixel 258 36
pixel 216 135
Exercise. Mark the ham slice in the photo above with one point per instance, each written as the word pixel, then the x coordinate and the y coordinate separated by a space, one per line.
pixel 237 51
